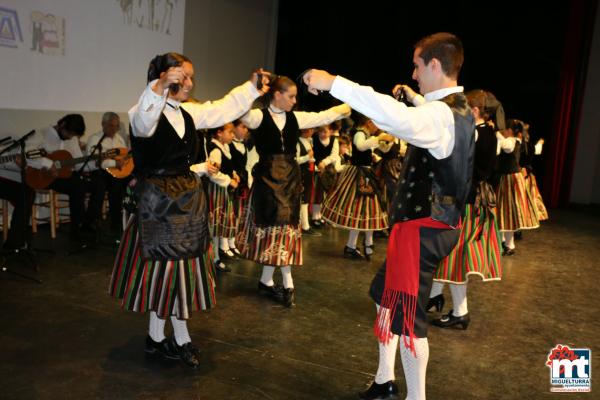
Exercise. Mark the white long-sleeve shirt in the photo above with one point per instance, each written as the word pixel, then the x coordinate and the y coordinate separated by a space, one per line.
pixel 307 143
pixel 219 178
pixel 12 171
pixel 253 118
pixel 145 114
pixel 429 125
pixel 335 151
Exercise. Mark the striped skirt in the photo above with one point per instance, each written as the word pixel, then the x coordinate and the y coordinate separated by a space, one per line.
pixel 222 218
pixel 534 192
pixel 516 207
pixel 477 251
pixel 170 288
pixel 345 207
pixel 271 245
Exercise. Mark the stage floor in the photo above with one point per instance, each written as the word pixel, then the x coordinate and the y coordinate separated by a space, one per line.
pixel 67 339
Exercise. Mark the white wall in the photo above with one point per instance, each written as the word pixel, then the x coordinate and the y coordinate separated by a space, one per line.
pixel 225 39
pixel 585 188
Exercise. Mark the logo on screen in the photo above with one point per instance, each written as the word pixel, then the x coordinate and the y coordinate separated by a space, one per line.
pixel 570 369
pixel 10 29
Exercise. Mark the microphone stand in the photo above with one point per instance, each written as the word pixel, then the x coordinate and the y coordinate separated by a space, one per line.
pixel 27 250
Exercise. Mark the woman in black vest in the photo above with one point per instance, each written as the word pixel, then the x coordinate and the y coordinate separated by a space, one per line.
pixel 516 207
pixel 164 262
pixel 478 249
pixel 270 233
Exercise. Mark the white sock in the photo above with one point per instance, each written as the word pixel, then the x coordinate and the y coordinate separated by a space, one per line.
pixel 267 275
pixel 304 216
pixel 352 238
pixel 215 243
pixel 436 289
pixel 387 360
pixel 415 368
pixel 509 239
pixel 224 243
pixel 231 242
pixel 459 300
pixel 316 212
pixel 368 242
pixel 286 274
pixel 157 327
pixel 180 331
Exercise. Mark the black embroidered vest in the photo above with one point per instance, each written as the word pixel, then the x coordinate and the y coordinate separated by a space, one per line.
pixel 269 140
pixel 322 151
pixel 165 153
pixel 361 158
pixel 435 188
pixel 240 160
pixel 226 163
pixel 508 163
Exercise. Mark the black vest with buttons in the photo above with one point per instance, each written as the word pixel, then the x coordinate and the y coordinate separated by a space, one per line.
pixel 508 163
pixel 269 140
pixel 322 151
pixel 226 163
pixel 361 158
pixel 438 188
pixel 240 160
pixel 304 167
pixel 165 153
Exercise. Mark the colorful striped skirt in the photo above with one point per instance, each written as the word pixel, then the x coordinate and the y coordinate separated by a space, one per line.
pixel 222 218
pixel 270 245
pixel 170 288
pixel 345 207
pixel 477 251
pixel 534 192
pixel 516 207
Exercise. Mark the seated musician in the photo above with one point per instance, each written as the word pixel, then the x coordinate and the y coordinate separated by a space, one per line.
pixel 101 180
pixel 65 136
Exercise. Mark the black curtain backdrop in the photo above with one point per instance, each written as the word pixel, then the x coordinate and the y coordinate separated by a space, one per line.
pixel 514 49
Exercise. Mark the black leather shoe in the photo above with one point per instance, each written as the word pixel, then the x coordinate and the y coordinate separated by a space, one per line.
pixel 436 302
pixel 317 223
pixel 189 354
pixel 508 252
pixel 352 253
pixel 275 291
pixel 518 235
pixel 235 251
pixel 226 255
pixel 376 391
pixel 369 250
pixel 221 267
pixel 311 232
pixel 165 348
pixel 449 320
pixel 289 297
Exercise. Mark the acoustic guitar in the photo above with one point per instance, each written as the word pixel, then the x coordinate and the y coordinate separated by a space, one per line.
pixel 126 157
pixel 38 153
pixel 63 163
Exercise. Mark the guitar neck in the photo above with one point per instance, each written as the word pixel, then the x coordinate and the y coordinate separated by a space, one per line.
pixel 74 161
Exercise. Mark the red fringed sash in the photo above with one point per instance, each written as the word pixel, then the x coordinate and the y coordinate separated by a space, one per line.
pixel 402 278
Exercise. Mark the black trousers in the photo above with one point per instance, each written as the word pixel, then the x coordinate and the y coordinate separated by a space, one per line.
pixel 435 245
pixel 21 197
pixel 75 189
pixel 99 182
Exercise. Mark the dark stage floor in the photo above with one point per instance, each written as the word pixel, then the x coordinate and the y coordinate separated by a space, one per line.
pixel 66 339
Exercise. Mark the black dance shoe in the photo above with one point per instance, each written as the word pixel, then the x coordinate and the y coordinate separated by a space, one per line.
pixel 235 251
pixel 518 235
pixel 221 267
pixel 166 348
pixel 289 297
pixel 275 291
pixel 449 320
pixel 376 391
pixel 226 254
pixel 508 252
pixel 368 252
pixel 317 223
pixel 189 354
pixel 354 254
pixel 436 302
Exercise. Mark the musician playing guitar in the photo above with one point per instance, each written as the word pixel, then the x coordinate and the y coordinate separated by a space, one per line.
pixel 101 180
pixel 65 136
